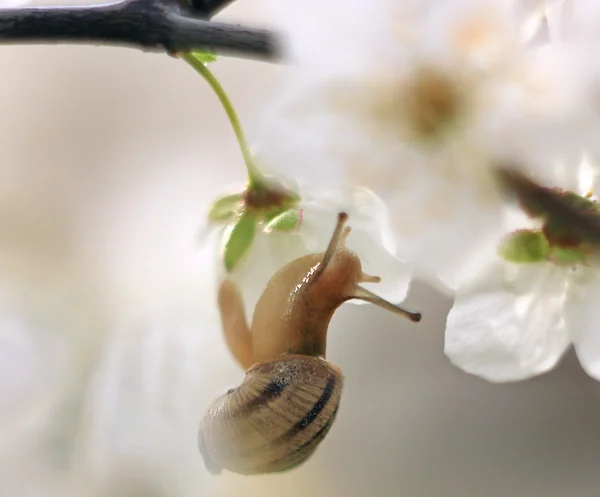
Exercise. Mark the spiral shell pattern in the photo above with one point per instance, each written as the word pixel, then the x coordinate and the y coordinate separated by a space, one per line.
pixel 275 419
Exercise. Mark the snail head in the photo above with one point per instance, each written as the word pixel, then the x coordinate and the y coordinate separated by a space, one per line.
pixel 339 275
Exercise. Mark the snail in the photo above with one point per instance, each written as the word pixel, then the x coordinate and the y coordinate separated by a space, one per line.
pixel 290 396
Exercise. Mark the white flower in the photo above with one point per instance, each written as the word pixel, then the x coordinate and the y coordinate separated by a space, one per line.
pixel 416 102
pixel 141 410
pixel 516 320
pixel 370 238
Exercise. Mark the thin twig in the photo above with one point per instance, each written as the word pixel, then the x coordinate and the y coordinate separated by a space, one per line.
pixel 152 25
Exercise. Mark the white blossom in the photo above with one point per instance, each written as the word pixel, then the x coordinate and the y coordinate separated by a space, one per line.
pixel 370 238
pixel 516 320
pixel 417 102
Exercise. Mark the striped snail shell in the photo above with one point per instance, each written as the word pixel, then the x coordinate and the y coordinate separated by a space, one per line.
pixel 275 419
pixel 290 396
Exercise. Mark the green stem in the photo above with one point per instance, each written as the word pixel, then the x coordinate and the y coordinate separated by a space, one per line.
pixel 255 177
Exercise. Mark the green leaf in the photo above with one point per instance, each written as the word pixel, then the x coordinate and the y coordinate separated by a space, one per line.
pixel 205 57
pixel 524 246
pixel 286 221
pixel 224 208
pixel 238 239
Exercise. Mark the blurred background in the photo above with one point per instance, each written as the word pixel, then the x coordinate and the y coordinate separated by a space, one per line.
pixel 110 347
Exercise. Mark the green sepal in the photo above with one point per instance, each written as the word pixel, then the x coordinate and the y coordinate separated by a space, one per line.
pixel 286 221
pixel 225 208
pixel 524 246
pixel 565 256
pixel 571 234
pixel 237 240
pixel 292 197
pixel 205 57
pixel 579 202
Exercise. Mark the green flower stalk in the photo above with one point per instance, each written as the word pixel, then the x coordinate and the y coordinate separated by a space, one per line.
pixel 265 203
pixel 199 62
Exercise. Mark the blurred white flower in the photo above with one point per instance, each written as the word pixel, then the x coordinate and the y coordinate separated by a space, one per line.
pixel 370 238
pixel 416 102
pixel 143 405
pixel 517 319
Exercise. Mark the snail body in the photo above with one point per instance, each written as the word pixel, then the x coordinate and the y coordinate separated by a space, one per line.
pixel 290 396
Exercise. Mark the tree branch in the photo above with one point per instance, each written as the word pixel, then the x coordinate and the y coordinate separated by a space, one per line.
pixel 152 25
pixel 207 8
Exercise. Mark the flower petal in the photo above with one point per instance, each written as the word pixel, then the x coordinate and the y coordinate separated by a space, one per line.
pixel 508 325
pixel 582 316
pixel 33 376
pixel 347 36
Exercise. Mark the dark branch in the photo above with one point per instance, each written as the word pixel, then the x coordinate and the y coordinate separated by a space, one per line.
pixel 152 25
pixel 207 8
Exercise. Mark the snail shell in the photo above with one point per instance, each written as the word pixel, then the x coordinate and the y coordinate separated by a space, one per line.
pixel 275 419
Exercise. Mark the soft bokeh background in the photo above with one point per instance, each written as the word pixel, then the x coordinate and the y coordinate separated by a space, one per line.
pixel 110 348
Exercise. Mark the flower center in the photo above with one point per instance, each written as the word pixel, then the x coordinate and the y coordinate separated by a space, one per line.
pixel 432 103
pixel 557 240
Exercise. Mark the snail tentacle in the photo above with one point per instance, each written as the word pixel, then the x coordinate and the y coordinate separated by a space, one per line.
pixel 361 293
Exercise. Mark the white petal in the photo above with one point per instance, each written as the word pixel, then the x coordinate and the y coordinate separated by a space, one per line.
pixel 480 31
pixel 300 135
pixel 341 36
pixel 582 316
pixel 443 216
pixel 138 430
pixel 576 18
pixel 509 326
pixel 539 109
pixel 31 362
